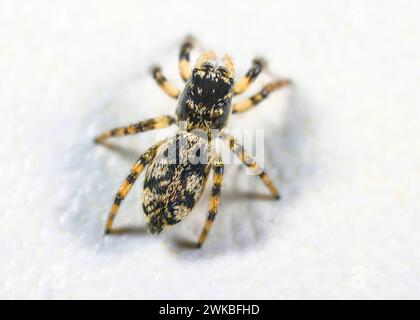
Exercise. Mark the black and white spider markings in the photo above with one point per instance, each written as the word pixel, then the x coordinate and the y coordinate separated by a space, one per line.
pixel 172 189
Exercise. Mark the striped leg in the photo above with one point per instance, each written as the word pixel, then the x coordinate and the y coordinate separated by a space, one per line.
pixel 214 200
pixel 251 75
pixel 184 58
pixel 252 164
pixel 251 102
pixel 146 125
pixel 128 183
pixel 165 85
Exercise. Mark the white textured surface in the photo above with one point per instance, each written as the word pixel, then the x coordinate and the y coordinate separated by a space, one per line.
pixel 344 145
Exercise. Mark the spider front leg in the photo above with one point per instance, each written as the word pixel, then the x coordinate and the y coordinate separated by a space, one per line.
pixel 218 167
pixel 146 125
pixel 184 58
pixel 251 75
pixel 125 188
pixel 252 164
pixel 251 102
pixel 164 84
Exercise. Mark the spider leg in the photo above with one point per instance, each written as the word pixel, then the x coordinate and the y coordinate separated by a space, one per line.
pixel 218 167
pixel 250 76
pixel 184 58
pixel 204 58
pixel 251 102
pixel 164 84
pixel 248 160
pixel 125 188
pixel 146 125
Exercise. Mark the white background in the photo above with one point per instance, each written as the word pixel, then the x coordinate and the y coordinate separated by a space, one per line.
pixel 343 145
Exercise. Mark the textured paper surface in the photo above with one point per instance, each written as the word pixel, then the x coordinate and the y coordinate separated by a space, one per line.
pixel 343 146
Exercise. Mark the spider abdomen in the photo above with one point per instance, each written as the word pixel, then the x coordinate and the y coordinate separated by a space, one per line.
pixel 175 180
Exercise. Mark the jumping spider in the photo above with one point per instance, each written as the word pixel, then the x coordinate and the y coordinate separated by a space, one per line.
pixel 171 190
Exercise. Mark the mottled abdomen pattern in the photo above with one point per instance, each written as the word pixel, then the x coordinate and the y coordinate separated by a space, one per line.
pixel 175 180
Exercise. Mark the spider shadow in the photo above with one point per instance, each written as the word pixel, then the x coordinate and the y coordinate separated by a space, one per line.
pixel 179 241
pixel 88 200
pixel 183 245
pixel 94 197
pixel 243 207
pixel 129 230
pixel 126 152
pixel 246 206
pixel 231 195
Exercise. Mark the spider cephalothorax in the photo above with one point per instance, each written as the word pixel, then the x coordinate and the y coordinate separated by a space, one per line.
pixel 173 185
pixel 206 101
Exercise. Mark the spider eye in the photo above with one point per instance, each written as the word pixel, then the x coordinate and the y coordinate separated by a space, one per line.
pixel 195 73
pixel 222 70
pixel 207 66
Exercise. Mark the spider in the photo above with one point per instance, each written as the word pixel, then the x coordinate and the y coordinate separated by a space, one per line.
pixel 172 189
